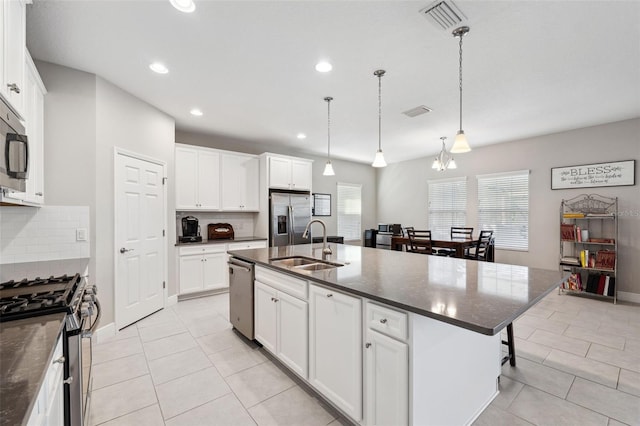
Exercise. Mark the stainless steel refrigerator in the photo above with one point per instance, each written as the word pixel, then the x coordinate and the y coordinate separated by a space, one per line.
pixel 289 215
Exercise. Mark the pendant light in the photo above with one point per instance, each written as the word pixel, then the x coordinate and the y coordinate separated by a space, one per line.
pixel 460 143
pixel 328 168
pixel 444 160
pixel 378 161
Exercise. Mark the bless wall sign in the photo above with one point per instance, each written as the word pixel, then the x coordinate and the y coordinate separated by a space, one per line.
pixel 619 173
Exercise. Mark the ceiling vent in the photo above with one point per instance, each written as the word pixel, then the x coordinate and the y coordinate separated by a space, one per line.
pixel 419 110
pixel 445 15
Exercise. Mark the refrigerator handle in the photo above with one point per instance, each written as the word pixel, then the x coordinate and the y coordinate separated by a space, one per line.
pixel 290 224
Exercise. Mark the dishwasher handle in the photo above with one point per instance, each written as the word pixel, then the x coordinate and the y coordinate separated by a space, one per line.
pixel 240 264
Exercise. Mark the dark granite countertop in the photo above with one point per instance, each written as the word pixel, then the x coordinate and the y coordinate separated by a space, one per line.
pixel 222 241
pixel 483 297
pixel 25 356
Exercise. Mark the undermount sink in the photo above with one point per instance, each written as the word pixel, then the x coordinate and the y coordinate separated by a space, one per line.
pixel 304 263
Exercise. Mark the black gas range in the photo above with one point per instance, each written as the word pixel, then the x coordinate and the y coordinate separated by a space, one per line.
pixel 70 294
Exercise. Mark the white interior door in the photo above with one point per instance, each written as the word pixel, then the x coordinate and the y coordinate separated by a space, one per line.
pixel 139 243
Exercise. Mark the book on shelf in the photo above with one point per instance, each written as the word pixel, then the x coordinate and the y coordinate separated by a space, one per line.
pixel 602 240
pixel 601 284
pixel 578 234
pixel 605 259
pixel 567 232
pixel 599 215
pixel 574 282
pixel 573 215
pixel 584 258
pixel 570 260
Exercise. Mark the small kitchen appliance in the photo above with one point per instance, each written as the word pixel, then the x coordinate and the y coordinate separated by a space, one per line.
pixel 219 231
pixel 190 230
pixel 14 152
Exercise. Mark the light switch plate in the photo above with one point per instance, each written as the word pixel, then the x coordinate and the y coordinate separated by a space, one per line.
pixel 81 234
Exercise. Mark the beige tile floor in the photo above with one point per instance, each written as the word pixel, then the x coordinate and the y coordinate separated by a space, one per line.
pixel 578 364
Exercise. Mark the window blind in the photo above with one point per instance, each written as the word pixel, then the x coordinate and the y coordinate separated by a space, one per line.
pixel 503 206
pixel 447 205
pixel 349 211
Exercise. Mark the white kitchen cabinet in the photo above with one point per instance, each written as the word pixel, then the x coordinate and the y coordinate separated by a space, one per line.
pixel 197 179
pixel 13 53
pixel 48 409
pixel 289 173
pixel 244 245
pixel 386 398
pixel 33 92
pixel 281 322
pixel 202 268
pixel 335 348
pixel 240 182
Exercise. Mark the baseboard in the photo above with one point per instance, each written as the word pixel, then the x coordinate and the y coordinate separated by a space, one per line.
pixel 172 300
pixel 629 297
pixel 108 330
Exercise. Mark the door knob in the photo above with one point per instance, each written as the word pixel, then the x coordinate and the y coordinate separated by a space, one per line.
pixel 124 250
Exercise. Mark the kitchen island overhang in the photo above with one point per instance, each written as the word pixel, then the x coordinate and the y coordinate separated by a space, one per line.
pixel 454 310
pixel 483 297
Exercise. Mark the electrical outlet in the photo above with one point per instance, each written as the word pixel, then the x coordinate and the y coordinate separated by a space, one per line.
pixel 81 234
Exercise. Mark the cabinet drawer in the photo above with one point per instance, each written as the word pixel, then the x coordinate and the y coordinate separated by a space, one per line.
pixel 213 248
pixel 247 245
pixel 388 321
pixel 293 286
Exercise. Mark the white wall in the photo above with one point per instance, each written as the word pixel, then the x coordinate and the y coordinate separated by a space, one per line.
pixel 85 118
pixel 402 189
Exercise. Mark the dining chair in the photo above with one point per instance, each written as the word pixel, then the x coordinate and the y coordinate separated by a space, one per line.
pixel 456 232
pixel 407 246
pixel 481 250
pixel 419 241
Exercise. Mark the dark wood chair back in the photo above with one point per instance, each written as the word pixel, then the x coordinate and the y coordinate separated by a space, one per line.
pixel 483 250
pixel 419 241
pixel 461 232
pixel 407 247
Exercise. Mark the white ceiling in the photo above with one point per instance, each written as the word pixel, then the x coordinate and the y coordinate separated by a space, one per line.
pixel 530 67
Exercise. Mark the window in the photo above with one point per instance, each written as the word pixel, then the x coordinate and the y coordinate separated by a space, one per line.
pixel 447 205
pixel 503 206
pixel 349 211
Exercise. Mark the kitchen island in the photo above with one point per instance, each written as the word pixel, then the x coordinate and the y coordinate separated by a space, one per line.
pixel 427 328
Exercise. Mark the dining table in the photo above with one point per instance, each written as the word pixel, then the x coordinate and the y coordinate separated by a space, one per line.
pixel 457 244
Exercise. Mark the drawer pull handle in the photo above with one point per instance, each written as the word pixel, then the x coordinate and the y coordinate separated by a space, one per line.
pixel 273 299
pixel 367 345
pixel 13 87
pixel 330 295
pixel 383 321
pixel 60 360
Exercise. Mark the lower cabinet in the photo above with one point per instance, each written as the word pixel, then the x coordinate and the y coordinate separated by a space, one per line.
pixel 281 326
pixel 386 380
pixel 335 348
pixel 203 268
pixel 48 409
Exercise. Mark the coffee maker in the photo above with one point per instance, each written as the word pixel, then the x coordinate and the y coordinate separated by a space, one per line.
pixel 190 230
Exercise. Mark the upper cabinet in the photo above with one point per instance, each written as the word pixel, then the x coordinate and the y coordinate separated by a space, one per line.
pixel 33 91
pixel 13 42
pixel 240 180
pixel 214 180
pixel 197 179
pixel 289 172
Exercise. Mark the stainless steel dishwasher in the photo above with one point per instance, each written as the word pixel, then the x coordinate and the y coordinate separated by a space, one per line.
pixel 241 274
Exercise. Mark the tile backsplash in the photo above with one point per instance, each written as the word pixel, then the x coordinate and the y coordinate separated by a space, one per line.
pixel 242 222
pixel 45 233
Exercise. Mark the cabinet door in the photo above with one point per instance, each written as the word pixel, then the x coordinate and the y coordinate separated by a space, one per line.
pixel 186 179
pixel 208 180
pixel 293 343
pixel 240 182
pixel 279 172
pixel 265 316
pixel 191 275
pixel 387 380
pixel 215 270
pixel 301 174
pixel 335 348
pixel 33 113
pixel 251 169
pixel 15 45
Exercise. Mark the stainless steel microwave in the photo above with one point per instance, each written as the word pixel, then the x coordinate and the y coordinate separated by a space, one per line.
pixel 14 152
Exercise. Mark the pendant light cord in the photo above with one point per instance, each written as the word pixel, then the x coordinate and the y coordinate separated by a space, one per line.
pixel 460 43
pixel 380 111
pixel 329 129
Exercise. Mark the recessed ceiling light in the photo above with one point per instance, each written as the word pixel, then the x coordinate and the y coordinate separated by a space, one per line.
pixel 159 68
pixel 323 67
pixel 196 112
pixel 186 6
pixel 301 136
